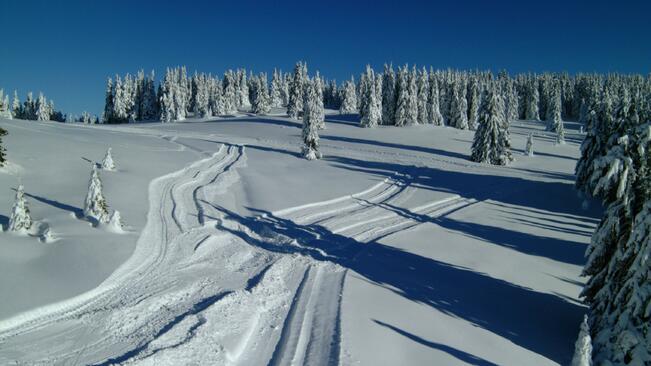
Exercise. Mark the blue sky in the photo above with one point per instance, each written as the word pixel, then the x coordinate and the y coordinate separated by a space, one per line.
pixel 67 48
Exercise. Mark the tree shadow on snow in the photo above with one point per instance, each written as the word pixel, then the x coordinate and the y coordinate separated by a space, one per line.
pixel 540 322
pixel 78 212
pixel 557 198
pixel 422 149
pixel 458 354
pixel 343 119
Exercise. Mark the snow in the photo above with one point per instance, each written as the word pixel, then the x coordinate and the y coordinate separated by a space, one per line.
pixel 394 248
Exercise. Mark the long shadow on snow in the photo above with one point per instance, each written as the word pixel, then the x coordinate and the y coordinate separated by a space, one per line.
pixel 78 212
pixel 542 323
pixel 257 120
pixel 458 354
pixel 556 197
pixel 422 149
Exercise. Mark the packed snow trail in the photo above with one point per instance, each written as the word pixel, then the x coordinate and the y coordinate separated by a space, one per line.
pixel 207 285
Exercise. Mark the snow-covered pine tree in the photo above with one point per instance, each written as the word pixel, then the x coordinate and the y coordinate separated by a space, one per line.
pixel 388 95
pixel 366 80
pixel 320 109
pixel 402 102
pixel 373 113
pixel 434 111
pixel 310 132
pixel 618 291
pixel 491 143
pixel 217 99
pixel 422 96
pixel 554 122
pixel 583 346
pixel 16 107
pixel 149 106
pixel 349 98
pixel 276 90
pixel 412 102
pixel 295 104
pixel 95 206
pixel 115 222
pixel 458 106
pixel 5 107
pixel 243 90
pixel 107 162
pixel 229 94
pixel 532 100
pixel 3 156
pixel 202 98
pixel 473 103
pixel 20 219
pixel 109 97
pixel 260 102
pixel 528 150
pixel 42 109
pixel 29 107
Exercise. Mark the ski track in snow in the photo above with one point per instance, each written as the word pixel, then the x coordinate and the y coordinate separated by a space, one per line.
pixel 205 285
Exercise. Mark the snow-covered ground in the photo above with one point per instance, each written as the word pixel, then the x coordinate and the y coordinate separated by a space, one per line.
pixel 394 249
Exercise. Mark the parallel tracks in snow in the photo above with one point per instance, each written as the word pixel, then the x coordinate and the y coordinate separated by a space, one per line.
pixel 280 304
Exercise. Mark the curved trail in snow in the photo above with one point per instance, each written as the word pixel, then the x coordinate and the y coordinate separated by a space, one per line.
pixel 206 285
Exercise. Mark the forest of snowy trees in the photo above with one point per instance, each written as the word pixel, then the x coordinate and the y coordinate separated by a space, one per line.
pixel 36 109
pixel 614 166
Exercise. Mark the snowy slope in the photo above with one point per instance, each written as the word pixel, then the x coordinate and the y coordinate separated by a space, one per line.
pixel 394 249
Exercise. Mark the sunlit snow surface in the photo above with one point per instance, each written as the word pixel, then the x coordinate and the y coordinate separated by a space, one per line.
pixel 394 249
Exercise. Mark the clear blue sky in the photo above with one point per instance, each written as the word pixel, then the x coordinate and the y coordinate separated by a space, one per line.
pixel 67 48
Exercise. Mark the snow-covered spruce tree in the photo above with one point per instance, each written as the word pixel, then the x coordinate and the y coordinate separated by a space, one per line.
pixel 491 143
pixel 310 123
pixel 349 98
pixel 583 346
pixel 618 288
pixel 109 101
pixel 295 104
pixel 320 109
pixel 422 96
pixel 373 114
pixel 402 102
pixel 107 162
pixel 554 122
pixel 528 150
pixel 149 105
pixel 532 102
pixel 260 101
pixel 276 90
pixel 3 156
pixel 229 93
pixel 202 96
pixel 16 107
pixel 5 107
pixel 20 219
pixel 388 95
pixel 115 222
pixel 29 107
pixel 458 106
pixel 412 102
pixel 42 108
pixel 598 126
pixel 243 89
pixel 473 103
pixel 95 206
pixel 366 80
pixel 433 109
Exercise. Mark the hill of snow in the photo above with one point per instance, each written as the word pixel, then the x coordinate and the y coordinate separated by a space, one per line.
pixel 393 249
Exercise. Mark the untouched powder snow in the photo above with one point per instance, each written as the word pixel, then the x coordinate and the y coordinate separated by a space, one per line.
pixel 392 249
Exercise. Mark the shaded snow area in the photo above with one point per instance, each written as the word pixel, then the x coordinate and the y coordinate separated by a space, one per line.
pixel 394 249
